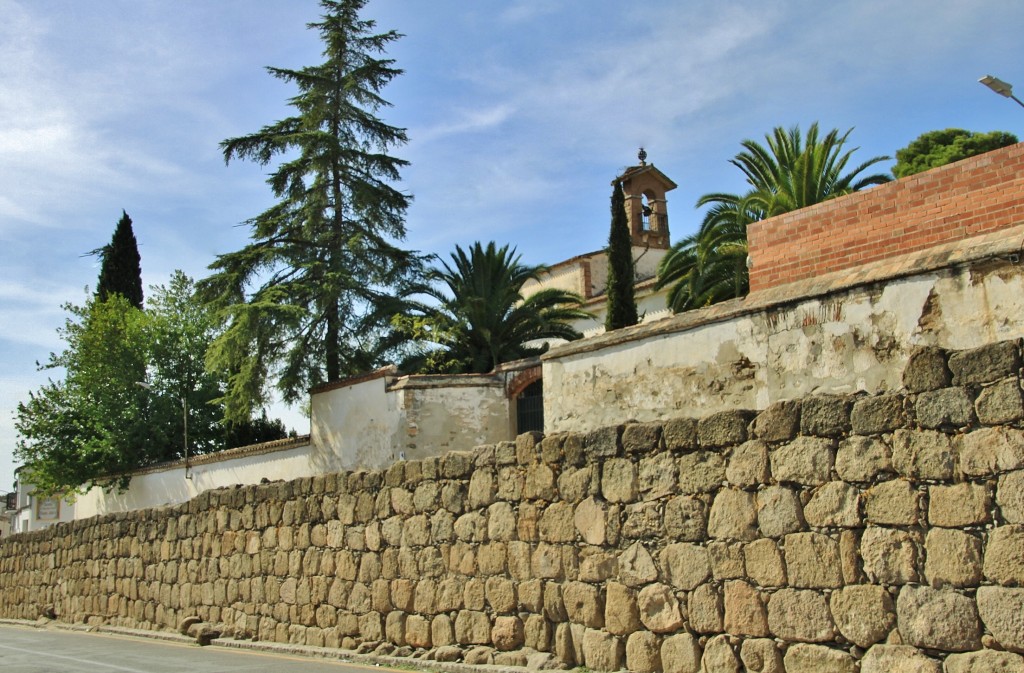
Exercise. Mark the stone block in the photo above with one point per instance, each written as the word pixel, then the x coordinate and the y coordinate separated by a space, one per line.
pixel 685 566
pixel 1004 555
pixel 636 567
pixel 556 523
pixel 834 505
pixel 863 458
pixel 501 522
pixel 952 558
pixel 546 562
pixel 1002 611
pixel 800 615
pixel 719 656
pixel 890 555
pixel 938 619
pixel 603 442
pixel 680 434
pixel 658 475
pixel 583 604
pixel 705 609
pixel 483 488
pixel 681 653
pixel 812 561
pixel 805 460
pixel 539 483
pixel 619 480
pixel 898 659
pixel 863 613
pixel 945 408
pixel 779 422
pixel 763 562
pixel 685 519
pixel 985 364
pixel 643 652
pixel 537 632
pixel 733 515
pixel 621 614
pixel 926 369
pixel 989 451
pixel 984 661
pixel 1010 496
pixel 959 505
pixel 511 482
pixel 659 608
pixel 825 415
pixel 760 655
pixel 596 566
pixel 804 658
pixel 726 560
pixel 508 633
pixel 748 464
pixel 567 650
pixel 602 651
pixel 745 613
pixel 779 511
pixel 878 414
pixel 701 472
pixel 589 520
pixel 501 595
pixel 643 521
pixel 724 428
pixel 472 628
pixel 1000 403
pixel 641 437
pixel 923 454
pixel 576 484
pixel 892 503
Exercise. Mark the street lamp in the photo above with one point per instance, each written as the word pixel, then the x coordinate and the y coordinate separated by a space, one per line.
pixel 1002 88
pixel 184 419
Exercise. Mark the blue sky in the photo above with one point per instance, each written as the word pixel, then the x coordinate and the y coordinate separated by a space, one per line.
pixel 519 113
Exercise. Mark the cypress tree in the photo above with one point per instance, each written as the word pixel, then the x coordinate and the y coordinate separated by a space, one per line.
pixel 121 268
pixel 621 302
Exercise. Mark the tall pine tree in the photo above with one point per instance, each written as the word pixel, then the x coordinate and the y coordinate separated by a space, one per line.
pixel 303 300
pixel 121 268
pixel 621 310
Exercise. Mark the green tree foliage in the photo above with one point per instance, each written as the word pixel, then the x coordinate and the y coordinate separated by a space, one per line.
pixel 621 274
pixel 938 148
pixel 790 172
pixel 477 317
pixel 302 301
pixel 96 423
pixel 121 269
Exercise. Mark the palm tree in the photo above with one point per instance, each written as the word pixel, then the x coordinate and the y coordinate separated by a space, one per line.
pixel 791 171
pixel 478 317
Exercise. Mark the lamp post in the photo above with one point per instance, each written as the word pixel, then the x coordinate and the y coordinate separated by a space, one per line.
pixel 1002 88
pixel 184 420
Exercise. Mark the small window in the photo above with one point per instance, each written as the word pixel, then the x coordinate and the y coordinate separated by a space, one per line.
pixel 530 408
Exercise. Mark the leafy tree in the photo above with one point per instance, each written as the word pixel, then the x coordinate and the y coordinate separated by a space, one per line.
pixel 256 431
pixel 302 301
pixel 120 269
pixel 478 317
pixel 938 148
pixel 95 424
pixel 621 310
pixel 98 422
pixel 790 172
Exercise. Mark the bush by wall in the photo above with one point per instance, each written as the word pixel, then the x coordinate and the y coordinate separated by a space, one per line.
pixel 818 534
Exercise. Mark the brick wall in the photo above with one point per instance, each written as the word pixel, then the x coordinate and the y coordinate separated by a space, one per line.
pixel 955 202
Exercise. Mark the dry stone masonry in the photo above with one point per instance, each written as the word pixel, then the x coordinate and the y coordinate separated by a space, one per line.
pixel 830 534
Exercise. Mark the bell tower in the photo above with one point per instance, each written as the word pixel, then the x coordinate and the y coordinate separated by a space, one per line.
pixel 646 208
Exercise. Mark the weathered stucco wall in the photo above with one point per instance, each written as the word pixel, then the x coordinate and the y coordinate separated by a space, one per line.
pixel 828 533
pixel 856 334
pixel 375 420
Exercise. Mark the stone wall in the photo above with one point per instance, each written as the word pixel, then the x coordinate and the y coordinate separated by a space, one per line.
pixel 830 533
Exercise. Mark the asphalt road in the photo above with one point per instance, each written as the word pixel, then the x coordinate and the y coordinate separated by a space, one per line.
pixel 30 650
